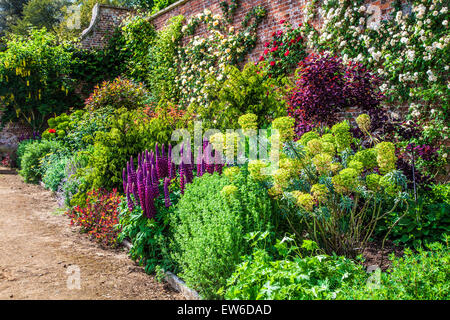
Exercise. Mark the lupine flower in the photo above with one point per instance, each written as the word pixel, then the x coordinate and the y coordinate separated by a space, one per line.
pixel 200 162
pixel 166 192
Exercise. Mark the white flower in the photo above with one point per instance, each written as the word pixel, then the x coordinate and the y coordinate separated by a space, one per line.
pixel 445 23
pixel 184 29
pixel 435 13
pixel 410 55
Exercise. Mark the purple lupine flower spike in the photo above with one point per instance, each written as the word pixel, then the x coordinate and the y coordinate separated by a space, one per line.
pixel 166 192
pixel 199 162
pixel 219 164
pixel 141 188
pixel 129 200
pixel 209 161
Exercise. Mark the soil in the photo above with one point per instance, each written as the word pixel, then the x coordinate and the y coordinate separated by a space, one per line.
pixel 40 253
pixel 375 254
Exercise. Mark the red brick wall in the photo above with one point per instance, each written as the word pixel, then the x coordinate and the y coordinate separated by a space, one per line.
pixel 108 18
pixel 290 10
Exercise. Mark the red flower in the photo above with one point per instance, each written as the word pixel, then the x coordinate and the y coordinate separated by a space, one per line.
pixel 272 63
pixel 286 53
pixel 51 130
pixel 261 58
pixel 266 44
pixel 274 49
pixel 266 51
pixel 282 21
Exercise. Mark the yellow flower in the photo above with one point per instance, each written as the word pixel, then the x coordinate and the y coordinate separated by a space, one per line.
pixel 255 168
pixel 304 200
pixel 285 127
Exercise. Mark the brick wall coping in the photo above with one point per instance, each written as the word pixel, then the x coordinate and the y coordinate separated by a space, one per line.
pixel 167 9
pixel 96 16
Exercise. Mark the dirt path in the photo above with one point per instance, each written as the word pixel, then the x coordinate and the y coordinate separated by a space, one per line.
pixel 39 252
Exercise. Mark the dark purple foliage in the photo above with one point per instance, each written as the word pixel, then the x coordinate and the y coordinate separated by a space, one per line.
pixel 326 86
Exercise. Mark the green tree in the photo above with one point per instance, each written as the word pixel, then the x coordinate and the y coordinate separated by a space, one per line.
pixel 33 78
pixel 10 13
pixel 40 14
pixel 66 29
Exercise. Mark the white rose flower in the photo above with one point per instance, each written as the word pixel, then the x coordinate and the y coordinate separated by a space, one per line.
pixel 445 23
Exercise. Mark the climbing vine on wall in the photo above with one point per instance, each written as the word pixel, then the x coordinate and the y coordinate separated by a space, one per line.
pixel 207 56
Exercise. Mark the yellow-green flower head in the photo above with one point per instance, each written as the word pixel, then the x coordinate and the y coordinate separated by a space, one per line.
pixel 285 126
pixel 328 137
pixel 275 192
pixel 322 162
pixel 282 177
pixel 328 147
pixel 308 136
pixel 314 146
pixel 229 191
pixel 304 200
pixel 231 173
pixel 335 167
pixel 357 165
pixel 291 165
pixel 373 182
pixel 342 136
pixel 363 122
pixel 249 123
pixel 389 186
pixel 232 140
pixel 368 157
pixel 319 192
pixel 386 158
pixel 345 181
pixel 255 168
pixel 218 141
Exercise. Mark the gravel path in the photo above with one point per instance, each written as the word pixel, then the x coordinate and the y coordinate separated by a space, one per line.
pixel 41 255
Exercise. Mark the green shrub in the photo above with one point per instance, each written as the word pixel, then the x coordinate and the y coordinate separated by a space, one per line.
pixel 54 170
pixel 293 277
pixel 74 186
pixel 209 225
pixel 427 219
pixel 128 135
pixel 32 158
pixel 119 93
pixel 424 275
pixel 162 69
pixel 21 148
pixel 246 91
pixel 33 78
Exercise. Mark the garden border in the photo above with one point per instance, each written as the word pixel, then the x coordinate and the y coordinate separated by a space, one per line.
pixel 174 282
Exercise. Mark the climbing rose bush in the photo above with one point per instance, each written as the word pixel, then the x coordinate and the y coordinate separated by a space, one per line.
pixel 283 52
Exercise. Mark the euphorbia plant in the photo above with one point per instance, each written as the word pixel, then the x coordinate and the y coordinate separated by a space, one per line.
pixel 335 194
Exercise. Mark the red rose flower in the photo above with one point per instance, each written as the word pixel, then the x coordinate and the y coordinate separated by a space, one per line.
pixel 274 49
pixel 272 63
pixel 286 53
pixel 266 51
pixel 282 21
pixel 266 44
pixel 261 58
